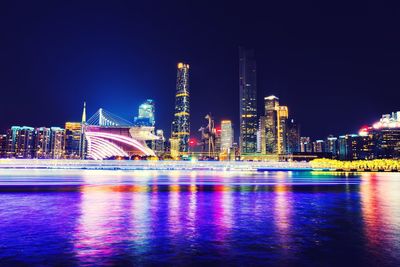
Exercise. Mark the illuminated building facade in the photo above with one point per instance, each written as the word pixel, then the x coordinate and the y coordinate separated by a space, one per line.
pixel 42 143
pixel 57 142
pixel 293 137
pixel 72 139
pixel 218 136
pixel 146 118
pixel 387 135
pixel 181 122
pixel 283 115
pixel 344 143
pixel 261 136
pixel 21 142
pixel 367 147
pixel 226 135
pixel 146 114
pixel 319 146
pixel 248 101
pixel 388 121
pixel 271 105
pixel 174 147
pixel 387 142
pixel 356 147
pixel 159 144
pixel 305 144
pixel 275 121
pixel 3 145
pixel 331 145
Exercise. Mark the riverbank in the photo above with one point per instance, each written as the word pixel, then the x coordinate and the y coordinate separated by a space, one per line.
pixel 153 165
pixel 376 165
pixel 315 165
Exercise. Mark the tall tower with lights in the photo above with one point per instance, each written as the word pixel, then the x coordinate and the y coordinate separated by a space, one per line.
pixel 248 101
pixel 181 122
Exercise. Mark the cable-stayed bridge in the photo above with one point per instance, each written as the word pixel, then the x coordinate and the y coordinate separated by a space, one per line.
pixel 105 118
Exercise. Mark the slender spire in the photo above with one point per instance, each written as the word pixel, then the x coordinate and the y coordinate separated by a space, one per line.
pixel 84 113
pixel 82 142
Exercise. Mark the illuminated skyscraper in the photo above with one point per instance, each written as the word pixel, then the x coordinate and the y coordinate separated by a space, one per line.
pixel 283 115
pixel 271 105
pixel 248 101
pixel 293 137
pixel 181 122
pixel 226 135
pixel 276 117
pixel 146 114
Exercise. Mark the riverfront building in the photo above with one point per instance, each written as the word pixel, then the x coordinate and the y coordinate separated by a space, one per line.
pixel 226 135
pixel 3 145
pixel 28 142
pixel 146 114
pixel 248 101
pixel 20 142
pixel 273 127
pixel 57 142
pixel 159 144
pixel 42 143
pixel 293 137
pixel 331 145
pixel 72 139
pixel 181 123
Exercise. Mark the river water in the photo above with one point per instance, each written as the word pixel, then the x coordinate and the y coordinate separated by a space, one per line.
pixel 181 218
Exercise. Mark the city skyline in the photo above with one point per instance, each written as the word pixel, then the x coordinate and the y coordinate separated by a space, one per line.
pixel 196 133
pixel 121 63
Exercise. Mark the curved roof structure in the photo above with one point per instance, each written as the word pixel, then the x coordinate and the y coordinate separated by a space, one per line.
pixel 103 145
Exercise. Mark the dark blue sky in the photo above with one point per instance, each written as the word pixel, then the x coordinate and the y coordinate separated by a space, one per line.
pixel 336 65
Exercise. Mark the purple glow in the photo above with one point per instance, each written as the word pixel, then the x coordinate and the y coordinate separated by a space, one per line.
pixel 100 148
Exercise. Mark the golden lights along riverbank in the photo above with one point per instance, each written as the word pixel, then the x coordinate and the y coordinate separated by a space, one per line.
pixel 357 165
pixel 388 165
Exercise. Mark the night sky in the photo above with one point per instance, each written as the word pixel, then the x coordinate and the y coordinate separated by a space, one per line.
pixel 336 65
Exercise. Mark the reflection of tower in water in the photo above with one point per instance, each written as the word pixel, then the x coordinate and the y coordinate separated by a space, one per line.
pixel 283 206
pixel 100 225
pixel 223 209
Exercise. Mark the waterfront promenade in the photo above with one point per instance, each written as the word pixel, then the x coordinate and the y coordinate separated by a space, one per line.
pixel 152 165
